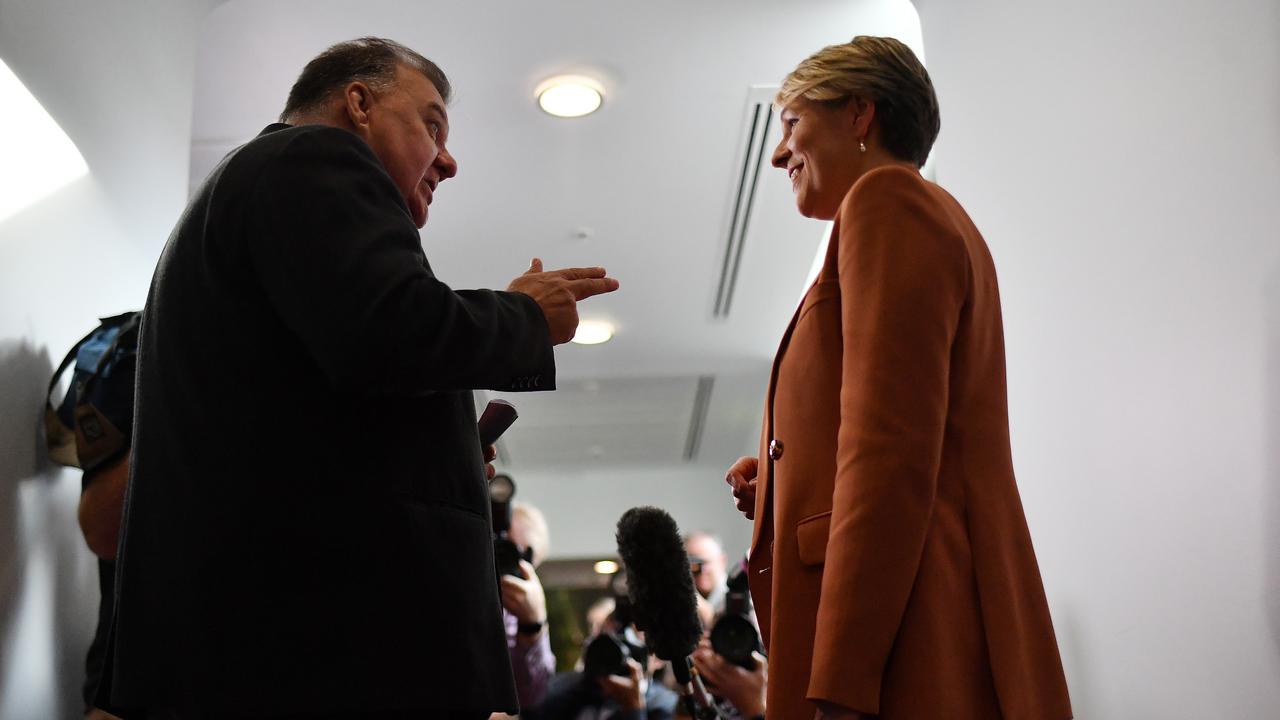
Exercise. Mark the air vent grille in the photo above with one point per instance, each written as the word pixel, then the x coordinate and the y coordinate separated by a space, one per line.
pixel 755 158
pixel 701 401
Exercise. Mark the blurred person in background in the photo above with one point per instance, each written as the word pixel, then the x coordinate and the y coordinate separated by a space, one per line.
pixel 891 565
pixel 599 615
pixel 625 692
pixel 740 680
pixel 707 561
pixel 742 689
pixel 524 604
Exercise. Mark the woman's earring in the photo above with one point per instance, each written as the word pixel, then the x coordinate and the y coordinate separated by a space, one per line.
pixel 862 146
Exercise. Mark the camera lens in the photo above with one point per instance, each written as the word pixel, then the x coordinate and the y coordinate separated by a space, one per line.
pixel 733 637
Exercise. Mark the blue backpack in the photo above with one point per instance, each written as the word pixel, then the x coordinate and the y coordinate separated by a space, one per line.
pixel 94 422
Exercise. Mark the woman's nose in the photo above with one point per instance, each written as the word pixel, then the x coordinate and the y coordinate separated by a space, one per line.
pixel 781 155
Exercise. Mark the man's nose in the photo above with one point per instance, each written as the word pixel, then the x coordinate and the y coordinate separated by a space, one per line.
pixel 446 164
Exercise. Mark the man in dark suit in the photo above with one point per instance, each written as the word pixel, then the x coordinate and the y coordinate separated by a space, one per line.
pixel 307 531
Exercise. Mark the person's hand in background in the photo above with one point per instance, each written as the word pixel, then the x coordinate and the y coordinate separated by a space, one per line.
pixel 524 598
pixel 744 689
pixel 626 692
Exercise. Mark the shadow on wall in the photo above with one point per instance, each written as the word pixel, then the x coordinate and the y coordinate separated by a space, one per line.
pixel 48 583
pixel 1271 586
pixel 24 373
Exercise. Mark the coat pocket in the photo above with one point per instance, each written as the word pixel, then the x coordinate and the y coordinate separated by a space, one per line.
pixel 811 538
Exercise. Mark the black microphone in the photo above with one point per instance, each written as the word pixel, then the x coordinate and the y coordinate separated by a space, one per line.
pixel 660 587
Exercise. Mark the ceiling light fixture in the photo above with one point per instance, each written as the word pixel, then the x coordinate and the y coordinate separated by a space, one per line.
pixel 569 96
pixel 606 567
pixel 593 332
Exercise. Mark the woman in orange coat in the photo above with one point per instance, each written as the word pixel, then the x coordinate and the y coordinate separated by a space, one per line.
pixel 891 564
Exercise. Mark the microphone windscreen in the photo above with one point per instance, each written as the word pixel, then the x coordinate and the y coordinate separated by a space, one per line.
pixel 659 582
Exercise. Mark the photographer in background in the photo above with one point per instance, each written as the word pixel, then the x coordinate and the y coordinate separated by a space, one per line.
pixel 524 605
pixel 742 689
pixel 707 562
pixel 613 683
pixel 730 658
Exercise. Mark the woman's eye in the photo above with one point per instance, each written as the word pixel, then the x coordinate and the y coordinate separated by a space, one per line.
pixel 434 129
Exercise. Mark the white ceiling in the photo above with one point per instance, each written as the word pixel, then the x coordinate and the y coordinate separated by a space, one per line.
pixel 651 177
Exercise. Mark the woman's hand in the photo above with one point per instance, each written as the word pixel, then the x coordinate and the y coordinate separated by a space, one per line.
pixel 742 478
pixel 745 689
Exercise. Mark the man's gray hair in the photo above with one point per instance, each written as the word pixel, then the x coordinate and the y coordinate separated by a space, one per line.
pixel 370 60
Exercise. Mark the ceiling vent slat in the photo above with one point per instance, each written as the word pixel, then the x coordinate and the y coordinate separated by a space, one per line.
pixel 754 161
pixel 701 404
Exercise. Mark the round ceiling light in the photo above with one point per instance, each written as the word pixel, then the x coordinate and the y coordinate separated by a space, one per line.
pixel 606 567
pixel 593 332
pixel 570 96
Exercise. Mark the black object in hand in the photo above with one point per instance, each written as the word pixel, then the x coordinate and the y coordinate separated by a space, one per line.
pixel 496 418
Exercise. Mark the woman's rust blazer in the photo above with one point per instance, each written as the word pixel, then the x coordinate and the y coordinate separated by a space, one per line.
pixel 891 563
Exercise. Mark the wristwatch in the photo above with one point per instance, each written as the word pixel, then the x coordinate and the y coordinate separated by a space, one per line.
pixel 532 628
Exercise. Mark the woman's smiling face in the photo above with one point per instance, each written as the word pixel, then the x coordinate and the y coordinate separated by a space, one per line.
pixel 820 152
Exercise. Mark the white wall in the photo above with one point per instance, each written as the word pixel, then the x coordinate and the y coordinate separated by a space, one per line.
pixel 1123 161
pixel 117 76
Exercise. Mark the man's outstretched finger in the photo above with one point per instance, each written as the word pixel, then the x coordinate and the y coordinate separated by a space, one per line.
pixel 583 289
pixel 535 266
pixel 581 273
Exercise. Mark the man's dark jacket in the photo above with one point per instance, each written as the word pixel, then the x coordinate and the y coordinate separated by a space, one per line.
pixel 307 525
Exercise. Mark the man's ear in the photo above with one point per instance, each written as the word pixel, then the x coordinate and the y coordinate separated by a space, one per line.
pixel 357 103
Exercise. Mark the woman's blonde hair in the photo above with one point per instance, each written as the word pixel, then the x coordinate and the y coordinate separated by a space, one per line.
pixel 879 69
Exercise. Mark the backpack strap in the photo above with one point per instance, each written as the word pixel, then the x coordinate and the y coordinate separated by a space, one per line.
pixel 62 366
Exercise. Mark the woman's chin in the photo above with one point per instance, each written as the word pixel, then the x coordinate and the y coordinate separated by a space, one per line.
pixel 814 210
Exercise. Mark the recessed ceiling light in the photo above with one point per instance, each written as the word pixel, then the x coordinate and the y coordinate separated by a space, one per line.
pixel 593 332
pixel 570 96
pixel 606 567
pixel 39 158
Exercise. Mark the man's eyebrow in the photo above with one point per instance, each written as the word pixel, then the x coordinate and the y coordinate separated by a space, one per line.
pixel 439 109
